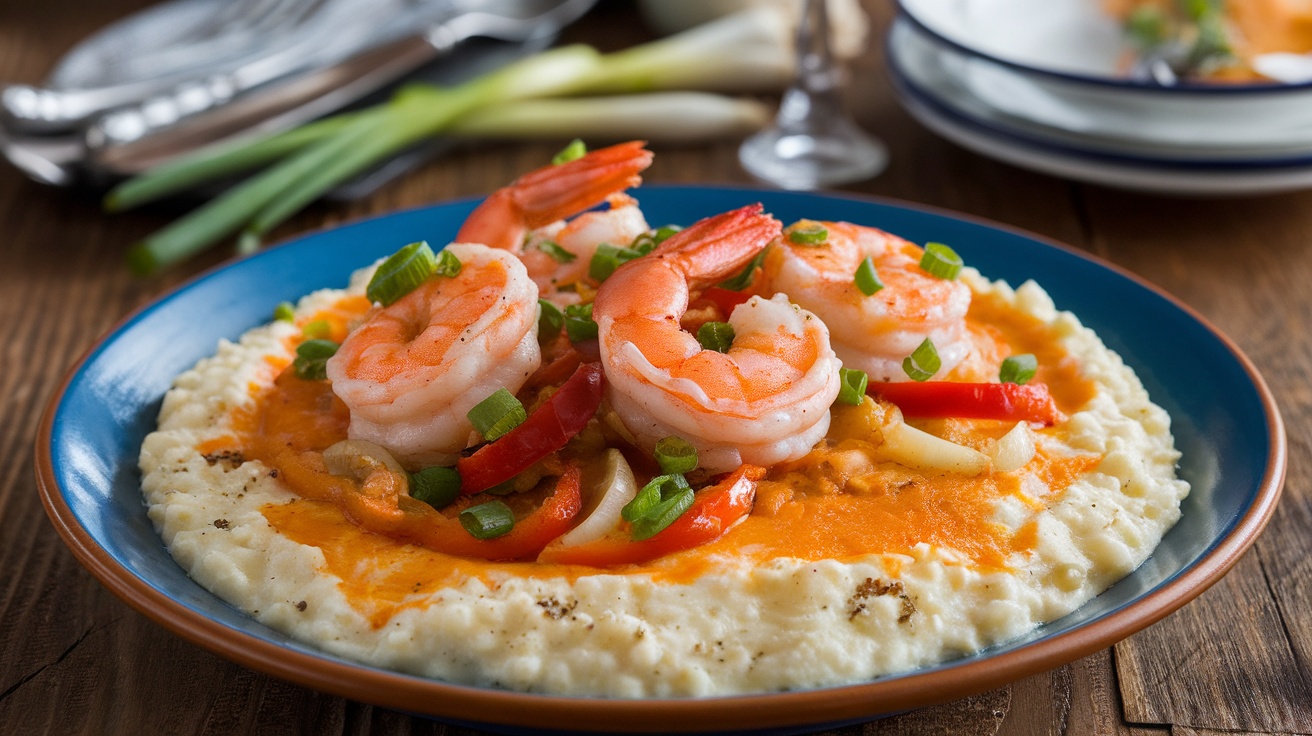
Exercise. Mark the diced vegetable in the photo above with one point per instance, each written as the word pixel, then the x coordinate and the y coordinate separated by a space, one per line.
pixel 675 455
pixel 867 278
pixel 497 414
pixel 401 273
pixel 1018 368
pixel 923 362
pixel 1010 401
pixel 488 520
pixel 941 261
pixel 579 325
pixel 717 336
pixel 312 359
pixel 852 389
pixel 550 426
pixel 575 150
pixel 437 486
pixel 615 488
pixel 713 511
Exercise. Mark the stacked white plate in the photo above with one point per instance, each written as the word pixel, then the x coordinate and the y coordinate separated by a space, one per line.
pixel 1041 84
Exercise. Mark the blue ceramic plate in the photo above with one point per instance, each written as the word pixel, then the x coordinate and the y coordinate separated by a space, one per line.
pixel 1225 422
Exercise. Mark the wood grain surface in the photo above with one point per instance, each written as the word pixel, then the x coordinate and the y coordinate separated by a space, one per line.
pixel 73 659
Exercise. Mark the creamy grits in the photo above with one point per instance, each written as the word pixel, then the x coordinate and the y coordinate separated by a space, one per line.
pixel 902 569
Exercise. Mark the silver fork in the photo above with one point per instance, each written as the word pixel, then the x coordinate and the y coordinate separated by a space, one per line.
pixel 225 37
pixel 61 160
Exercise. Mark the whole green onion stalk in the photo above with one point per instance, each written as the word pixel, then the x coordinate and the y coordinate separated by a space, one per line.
pixel 748 51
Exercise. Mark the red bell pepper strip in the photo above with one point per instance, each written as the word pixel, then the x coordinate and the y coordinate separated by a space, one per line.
pixel 550 426
pixel 713 511
pixel 725 299
pixel 1009 401
pixel 422 524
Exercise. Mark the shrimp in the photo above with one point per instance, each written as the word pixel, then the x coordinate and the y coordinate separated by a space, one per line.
pixel 873 333
pixel 521 216
pixel 764 401
pixel 412 370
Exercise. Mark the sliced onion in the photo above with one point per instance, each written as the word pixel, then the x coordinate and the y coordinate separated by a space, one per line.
pixel 356 459
pixel 1014 450
pixel 615 488
pixel 918 449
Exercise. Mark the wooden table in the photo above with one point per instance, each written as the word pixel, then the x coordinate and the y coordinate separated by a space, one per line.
pixel 74 659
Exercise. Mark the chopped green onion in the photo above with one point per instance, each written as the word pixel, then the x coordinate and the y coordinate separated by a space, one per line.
pixel 488 520
pixel 578 323
pixel 284 312
pixel 319 329
pixel 717 336
pixel 746 276
pixel 647 242
pixel 550 320
pixel 1018 368
pixel 401 273
pixel 557 253
pixel 312 358
pixel 941 261
pixel 576 149
pixel 650 496
pixel 675 455
pixel 438 487
pixel 1146 27
pixel 853 384
pixel 607 258
pixel 867 278
pixel 662 515
pixel 448 266
pixel 497 414
pixel 812 234
pixel 923 363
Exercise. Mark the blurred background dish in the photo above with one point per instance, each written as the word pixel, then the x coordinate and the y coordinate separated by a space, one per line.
pixel 1043 85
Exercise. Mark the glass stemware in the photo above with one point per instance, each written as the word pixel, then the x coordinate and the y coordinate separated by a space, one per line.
pixel 813 142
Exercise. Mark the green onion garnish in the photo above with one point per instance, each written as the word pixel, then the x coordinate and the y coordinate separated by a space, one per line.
pixel 941 261
pixel 852 389
pixel 746 276
pixel 647 242
pixel 675 455
pixel 497 414
pixel 578 323
pixel 312 358
pixel 662 515
pixel 609 257
pixel 448 266
pixel 284 312
pixel 557 253
pixel 811 234
pixel 436 486
pixel 575 150
pixel 1018 368
pixel 717 336
pixel 650 496
pixel 488 520
pixel 867 279
pixel 401 273
pixel 922 364
pixel 319 329
pixel 550 320
pixel 1146 27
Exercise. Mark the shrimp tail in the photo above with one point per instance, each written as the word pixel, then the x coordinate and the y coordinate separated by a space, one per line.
pixel 718 247
pixel 555 192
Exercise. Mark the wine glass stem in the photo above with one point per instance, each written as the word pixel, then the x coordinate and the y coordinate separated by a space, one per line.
pixel 813 96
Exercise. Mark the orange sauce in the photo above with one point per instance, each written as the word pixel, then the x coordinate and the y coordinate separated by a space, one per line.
pixel 806 509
